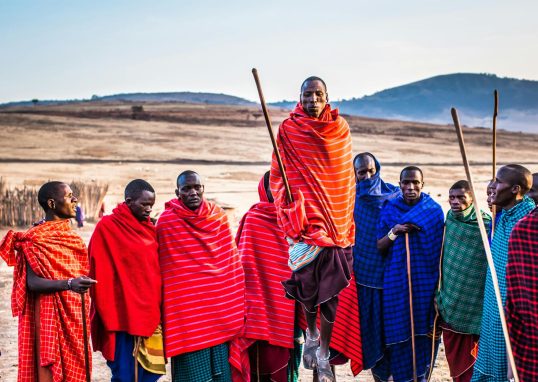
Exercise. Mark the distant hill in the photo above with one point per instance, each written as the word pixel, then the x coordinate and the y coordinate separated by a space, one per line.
pixel 430 100
pixel 181 97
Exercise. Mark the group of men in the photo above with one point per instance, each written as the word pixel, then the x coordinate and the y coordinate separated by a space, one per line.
pixel 332 264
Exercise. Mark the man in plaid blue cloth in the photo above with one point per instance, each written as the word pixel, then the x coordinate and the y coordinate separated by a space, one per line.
pixel 512 182
pixel 371 193
pixel 415 214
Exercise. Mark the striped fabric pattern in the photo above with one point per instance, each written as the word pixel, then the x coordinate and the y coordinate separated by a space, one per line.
pixel 55 252
pixel 491 361
pixel 270 316
pixel 302 254
pixel 522 295
pixel 317 157
pixel 203 281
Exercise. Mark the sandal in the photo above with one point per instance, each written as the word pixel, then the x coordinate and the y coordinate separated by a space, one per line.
pixel 325 373
pixel 309 351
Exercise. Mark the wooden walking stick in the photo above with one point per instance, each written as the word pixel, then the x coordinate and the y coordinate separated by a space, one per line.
pixel 411 315
pixel 85 336
pixel 439 282
pixel 271 134
pixel 494 152
pixel 485 240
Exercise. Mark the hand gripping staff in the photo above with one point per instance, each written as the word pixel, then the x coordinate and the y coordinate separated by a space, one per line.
pixel 487 248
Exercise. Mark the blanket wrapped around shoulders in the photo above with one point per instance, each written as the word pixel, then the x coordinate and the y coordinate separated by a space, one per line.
pixel 522 295
pixel 317 157
pixel 463 271
pixel 491 360
pixel 203 281
pixel 270 316
pixel 371 194
pixel 125 262
pixel 54 252
pixel 425 247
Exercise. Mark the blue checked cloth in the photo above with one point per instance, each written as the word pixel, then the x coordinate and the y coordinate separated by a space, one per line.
pixel 371 194
pixel 491 362
pixel 425 246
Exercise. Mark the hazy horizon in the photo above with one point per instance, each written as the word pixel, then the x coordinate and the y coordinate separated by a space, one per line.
pixel 72 50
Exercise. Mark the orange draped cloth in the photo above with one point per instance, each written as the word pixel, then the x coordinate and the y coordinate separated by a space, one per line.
pixel 125 262
pixel 270 316
pixel 203 281
pixel 317 157
pixel 54 252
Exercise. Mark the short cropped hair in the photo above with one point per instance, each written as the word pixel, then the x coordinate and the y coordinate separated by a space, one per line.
pixel 362 156
pixel 411 168
pixel 313 78
pixel 185 174
pixel 519 176
pixel 48 191
pixel 135 188
pixel 461 184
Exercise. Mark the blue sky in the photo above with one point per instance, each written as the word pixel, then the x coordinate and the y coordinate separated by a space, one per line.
pixel 74 49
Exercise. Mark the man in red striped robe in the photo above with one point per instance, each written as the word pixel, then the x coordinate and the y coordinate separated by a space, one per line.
pixel 262 350
pixel 51 264
pixel 315 146
pixel 203 284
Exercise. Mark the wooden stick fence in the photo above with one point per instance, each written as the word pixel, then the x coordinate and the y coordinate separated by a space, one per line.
pixel 19 206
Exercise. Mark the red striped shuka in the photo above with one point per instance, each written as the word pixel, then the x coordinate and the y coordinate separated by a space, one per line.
pixel 54 252
pixel 270 316
pixel 203 281
pixel 522 295
pixel 318 160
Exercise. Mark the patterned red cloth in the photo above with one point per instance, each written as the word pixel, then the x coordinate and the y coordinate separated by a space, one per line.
pixel 125 262
pixel 318 160
pixel 54 252
pixel 270 316
pixel 203 281
pixel 522 295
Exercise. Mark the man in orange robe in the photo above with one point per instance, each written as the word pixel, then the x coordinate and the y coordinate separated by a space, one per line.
pixel 315 146
pixel 50 262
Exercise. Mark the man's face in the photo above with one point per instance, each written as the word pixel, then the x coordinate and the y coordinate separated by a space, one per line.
pixel 533 193
pixel 141 207
pixel 504 193
pixel 411 185
pixel 460 199
pixel 190 191
pixel 64 205
pixel 314 97
pixel 365 168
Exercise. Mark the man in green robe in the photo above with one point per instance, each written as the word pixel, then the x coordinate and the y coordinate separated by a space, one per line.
pixel 461 288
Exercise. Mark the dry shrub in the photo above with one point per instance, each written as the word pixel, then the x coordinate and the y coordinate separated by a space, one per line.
pixel 90 197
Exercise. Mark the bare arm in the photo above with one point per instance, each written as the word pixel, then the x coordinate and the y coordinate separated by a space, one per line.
pixel 42 285
pixel 384 244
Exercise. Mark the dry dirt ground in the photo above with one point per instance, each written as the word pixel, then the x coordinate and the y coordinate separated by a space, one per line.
pixel 229 146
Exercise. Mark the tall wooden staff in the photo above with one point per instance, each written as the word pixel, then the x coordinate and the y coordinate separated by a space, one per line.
pixel 85 337
pixel 487 248
pixel 494 152
pixel 284 180
pixel 273 141
pixel 411 314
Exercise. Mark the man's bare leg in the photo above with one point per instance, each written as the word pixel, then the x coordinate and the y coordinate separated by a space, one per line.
pixel 312 341
pixel 325 372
